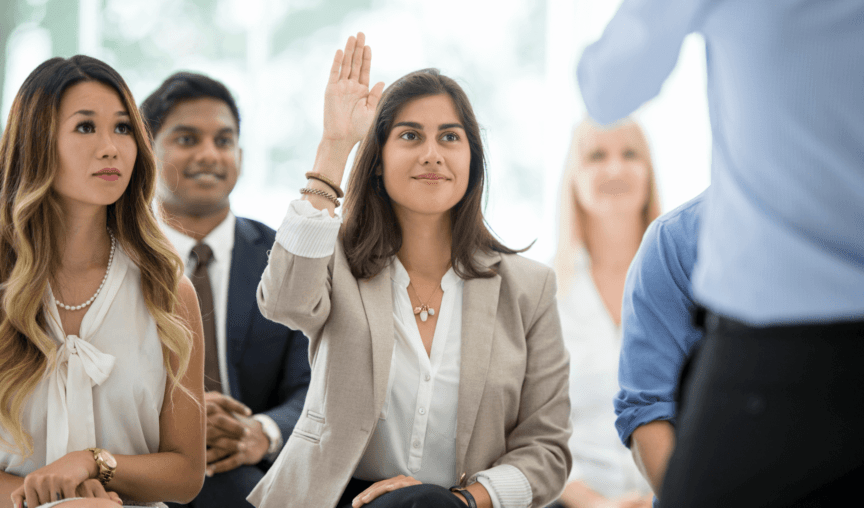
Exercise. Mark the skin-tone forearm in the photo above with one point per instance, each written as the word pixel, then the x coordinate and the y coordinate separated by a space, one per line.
pixel 578 495
pixel 155 477
pixel 8 483
pixel 330 161
pixel 652 444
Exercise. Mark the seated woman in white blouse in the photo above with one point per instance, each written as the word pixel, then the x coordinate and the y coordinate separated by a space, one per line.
pixel 436 351
pixel 608 198
pixel 101 349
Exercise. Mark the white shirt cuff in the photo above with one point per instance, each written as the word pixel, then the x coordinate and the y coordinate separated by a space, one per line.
pixel 307 231
pixel 507 486
pixel 274 435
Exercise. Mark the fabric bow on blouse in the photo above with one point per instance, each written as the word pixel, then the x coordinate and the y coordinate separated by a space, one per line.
pixel 80 367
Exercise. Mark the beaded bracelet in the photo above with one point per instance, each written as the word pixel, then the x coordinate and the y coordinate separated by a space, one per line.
pixel 321 178
pixel 323 194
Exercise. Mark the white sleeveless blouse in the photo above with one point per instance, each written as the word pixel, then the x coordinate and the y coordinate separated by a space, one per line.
pixel 108 386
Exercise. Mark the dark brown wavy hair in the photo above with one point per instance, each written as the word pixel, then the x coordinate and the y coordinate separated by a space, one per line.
pixel 371 234
pixel 31 235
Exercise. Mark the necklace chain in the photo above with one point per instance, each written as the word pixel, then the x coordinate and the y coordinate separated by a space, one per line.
pixel 102 284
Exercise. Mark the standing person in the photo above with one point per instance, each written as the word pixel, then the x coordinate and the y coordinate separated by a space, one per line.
pixel 101 349
pixel 772 413
pixel 254 367
pixel 436 350
pixel 608 198
pixel 658 337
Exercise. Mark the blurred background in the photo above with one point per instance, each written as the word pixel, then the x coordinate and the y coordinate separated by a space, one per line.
pixel 515 58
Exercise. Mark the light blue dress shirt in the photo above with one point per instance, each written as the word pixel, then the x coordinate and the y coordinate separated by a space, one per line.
pixel 783 232
pixel 658 333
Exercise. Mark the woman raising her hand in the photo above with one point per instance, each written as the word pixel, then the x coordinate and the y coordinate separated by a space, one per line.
pixel 101 349
pixel 436 351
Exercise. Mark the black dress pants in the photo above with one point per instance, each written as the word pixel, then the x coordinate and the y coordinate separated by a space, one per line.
pixel 417 496
pixel 770 416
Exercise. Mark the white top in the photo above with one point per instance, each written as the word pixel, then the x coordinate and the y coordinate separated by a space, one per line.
pixel 221 242
pixel 594 342
pixel 109 383
pixel 416 435
pixel 417 427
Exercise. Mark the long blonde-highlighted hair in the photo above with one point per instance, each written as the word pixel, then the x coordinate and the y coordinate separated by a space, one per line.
pixel 31 238
pixel 571 224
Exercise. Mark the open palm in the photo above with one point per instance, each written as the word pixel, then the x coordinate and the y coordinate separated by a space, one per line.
pixel 349 105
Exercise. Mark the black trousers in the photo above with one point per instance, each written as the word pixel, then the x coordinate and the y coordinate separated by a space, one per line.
pixel 770 416
pixel 417 496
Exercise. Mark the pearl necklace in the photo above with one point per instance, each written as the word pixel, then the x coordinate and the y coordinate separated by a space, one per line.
pixel 92 298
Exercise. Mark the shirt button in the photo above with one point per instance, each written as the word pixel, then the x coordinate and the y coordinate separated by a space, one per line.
pixel 416 443
pixel 427 377
pixel 422 411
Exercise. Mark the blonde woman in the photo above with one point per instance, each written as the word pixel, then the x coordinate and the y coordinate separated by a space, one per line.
pixel 101 359
pixel 608 198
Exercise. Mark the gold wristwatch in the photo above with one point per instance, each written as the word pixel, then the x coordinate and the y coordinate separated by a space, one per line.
pixel 106 462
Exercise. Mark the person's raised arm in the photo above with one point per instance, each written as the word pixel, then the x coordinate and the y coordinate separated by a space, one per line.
pixel 349 106
pixel 634 56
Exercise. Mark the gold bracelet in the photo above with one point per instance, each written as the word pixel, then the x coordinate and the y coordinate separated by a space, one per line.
pixel 323 194
pixel 321 178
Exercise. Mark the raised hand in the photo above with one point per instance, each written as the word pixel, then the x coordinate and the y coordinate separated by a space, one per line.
pixel 349 105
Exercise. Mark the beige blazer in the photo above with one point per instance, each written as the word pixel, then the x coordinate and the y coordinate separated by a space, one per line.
pixel 513 407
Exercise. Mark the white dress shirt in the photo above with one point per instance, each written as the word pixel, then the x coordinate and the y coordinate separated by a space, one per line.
pixel 594 342
pixel 221 242
pixel 416 433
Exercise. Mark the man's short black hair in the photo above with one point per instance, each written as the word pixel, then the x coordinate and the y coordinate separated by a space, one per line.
pixel 179 87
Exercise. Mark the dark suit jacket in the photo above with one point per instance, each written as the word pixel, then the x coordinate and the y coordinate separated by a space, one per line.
pixel 268 363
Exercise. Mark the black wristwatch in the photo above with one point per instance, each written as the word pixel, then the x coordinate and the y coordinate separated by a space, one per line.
pixel 467 495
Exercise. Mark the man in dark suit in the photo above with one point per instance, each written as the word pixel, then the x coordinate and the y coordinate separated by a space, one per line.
pixel 256 371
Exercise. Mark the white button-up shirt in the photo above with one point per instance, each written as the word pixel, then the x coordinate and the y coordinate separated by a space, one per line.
pixel 417 427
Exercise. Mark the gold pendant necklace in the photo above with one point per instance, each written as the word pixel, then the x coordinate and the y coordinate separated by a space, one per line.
pixel 424 310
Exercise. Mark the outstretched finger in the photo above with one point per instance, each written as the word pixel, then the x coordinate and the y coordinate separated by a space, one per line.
pixel 346 57
pixel 375 95
pixel 18 497
pixel 357 58
pixel 226 403
pixel 334 69
pixel 366 67
pixel 113 496
pixel 232 462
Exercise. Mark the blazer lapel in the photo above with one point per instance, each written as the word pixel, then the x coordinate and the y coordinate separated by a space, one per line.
pixel 479 309
pixel 377 297
pixel 242 282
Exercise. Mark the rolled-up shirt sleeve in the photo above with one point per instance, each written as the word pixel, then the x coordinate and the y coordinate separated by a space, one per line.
pixel 657 327
pixel 307 231
pixel 637 51
pixel 507 486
